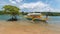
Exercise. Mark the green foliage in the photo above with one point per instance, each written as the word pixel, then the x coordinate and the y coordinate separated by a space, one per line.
pixel 51 13
pixel 12 10
pixel 1 12
pixel 24 13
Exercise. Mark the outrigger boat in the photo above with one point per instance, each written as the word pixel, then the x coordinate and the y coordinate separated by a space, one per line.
pixel 36 17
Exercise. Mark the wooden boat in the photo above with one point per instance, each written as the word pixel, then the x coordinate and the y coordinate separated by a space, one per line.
pixel 35 17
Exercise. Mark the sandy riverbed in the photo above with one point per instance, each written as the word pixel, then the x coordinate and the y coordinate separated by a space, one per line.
pixel 23 27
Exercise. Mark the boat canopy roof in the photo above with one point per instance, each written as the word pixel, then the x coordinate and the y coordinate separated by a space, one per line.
pixel 34 14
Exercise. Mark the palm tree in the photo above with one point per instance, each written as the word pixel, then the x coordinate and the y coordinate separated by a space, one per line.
pixel 12 10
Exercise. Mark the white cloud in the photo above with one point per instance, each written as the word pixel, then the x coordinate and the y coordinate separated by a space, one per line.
pixel 19 0
pixel 37 6
pixel 12 1
pixel 33 5
pixel 15 1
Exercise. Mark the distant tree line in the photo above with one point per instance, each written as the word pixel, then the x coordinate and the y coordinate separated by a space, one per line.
pixel 25 13
pixel 51 13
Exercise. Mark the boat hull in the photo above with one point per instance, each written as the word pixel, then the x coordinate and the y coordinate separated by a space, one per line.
pixel 37 20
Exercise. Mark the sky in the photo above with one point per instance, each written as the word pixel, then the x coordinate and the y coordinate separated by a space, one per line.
pixel 33 5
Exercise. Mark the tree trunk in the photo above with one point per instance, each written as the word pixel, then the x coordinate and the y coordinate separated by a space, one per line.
pixel 14 18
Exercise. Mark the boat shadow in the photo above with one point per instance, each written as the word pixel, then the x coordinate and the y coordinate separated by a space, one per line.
pixel 38 22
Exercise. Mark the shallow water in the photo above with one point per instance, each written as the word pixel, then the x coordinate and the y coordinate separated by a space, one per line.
pixel 23 26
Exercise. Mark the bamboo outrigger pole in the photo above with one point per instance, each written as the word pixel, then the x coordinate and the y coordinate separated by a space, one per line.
pixel 48 10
